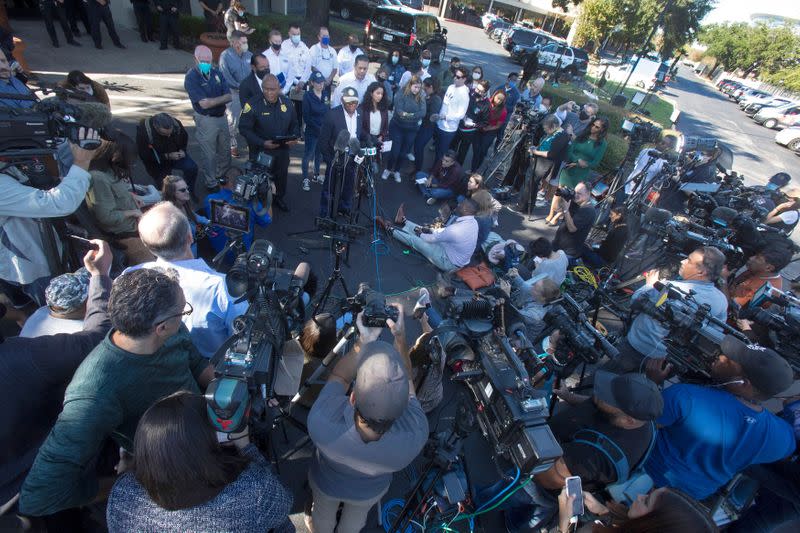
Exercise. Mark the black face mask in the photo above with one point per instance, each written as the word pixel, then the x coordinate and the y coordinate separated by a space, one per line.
pixel 353 47
pixel 583 115
pixel 261 73
pixel 275 47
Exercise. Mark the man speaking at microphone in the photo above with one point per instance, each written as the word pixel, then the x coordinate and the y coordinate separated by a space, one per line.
pixel 341 125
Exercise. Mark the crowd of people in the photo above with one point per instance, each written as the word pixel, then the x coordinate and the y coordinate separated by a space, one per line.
pixel 106 379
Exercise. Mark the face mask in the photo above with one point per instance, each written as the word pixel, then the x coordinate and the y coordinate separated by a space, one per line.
pixel 261 73
pixel 353 47
pixel 245 47
pixel 426 62
pixel 476 75
pixel 395 59
pixel 90 91
pixel 512 84
pixel 295 39
pixel 583 115
pixel 241 13
pixel 325 40
pixel 275 47
pixel 204 67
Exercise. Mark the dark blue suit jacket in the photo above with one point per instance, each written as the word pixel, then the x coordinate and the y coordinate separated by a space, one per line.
pixel 331 126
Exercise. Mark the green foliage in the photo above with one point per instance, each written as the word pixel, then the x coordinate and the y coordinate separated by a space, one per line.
pixel 597 20
pixel 615 153
pixel 788 78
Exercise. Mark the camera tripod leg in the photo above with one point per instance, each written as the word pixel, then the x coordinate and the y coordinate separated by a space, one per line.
pixel 339 249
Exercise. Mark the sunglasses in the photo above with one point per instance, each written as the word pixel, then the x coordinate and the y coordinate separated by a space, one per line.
pixel 459 77
pixel 182 313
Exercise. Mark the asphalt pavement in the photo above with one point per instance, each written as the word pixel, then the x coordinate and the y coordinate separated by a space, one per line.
pixel 706 112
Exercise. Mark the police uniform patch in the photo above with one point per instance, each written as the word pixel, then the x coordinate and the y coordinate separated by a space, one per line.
pixel 246 108
pixel 283 108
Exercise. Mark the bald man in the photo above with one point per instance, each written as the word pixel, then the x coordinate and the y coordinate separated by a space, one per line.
pixel 270 125
pixel 209 93
pixel 165 231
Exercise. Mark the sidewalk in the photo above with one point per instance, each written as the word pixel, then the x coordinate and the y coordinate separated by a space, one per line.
pixel 138 58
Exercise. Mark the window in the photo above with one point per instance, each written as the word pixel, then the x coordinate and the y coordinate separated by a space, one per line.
pixel 399 22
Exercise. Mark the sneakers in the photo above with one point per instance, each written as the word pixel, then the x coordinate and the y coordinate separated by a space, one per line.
pixel 306 184
pixel 319 179
pixel 385 175
pixel 411 157
pixel 431 201
pixel 397 177
pixel 423 302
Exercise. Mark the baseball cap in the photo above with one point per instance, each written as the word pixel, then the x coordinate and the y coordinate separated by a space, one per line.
pixel 67 292
pixel 349 94
pixel 381 388
pixel 765 369
pixel 633 394
pixel 316 77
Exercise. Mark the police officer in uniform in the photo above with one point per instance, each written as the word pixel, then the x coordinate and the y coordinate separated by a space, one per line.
pixel 264 122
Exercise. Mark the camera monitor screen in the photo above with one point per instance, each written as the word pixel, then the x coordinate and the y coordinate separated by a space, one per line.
pixel 229 216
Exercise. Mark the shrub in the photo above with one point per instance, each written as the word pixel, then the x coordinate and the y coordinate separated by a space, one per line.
pixel 615 153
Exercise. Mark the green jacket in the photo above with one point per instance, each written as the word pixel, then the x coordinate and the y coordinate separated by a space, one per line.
pixel 107 198
pixel 107 396
pixel 589 152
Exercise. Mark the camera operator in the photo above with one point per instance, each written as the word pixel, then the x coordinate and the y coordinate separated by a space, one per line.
pixel 34 372
pixel 575 123
pixel 710 433
pixel 166 232
pixel 24 261
pixel 264 121
pixel 610 248
pixel 161 141
pixel 66 297
pixel 579 215
pixel 363 438
pixel 547 158
pixel 622 408
pixel 9 84
pixel 147 355
pixel 697 273
pixel 763 267
pixel 259 214
pixel 786 215
pixel 651 159
pixel 531 298
pixel 182 479
pixel 702 168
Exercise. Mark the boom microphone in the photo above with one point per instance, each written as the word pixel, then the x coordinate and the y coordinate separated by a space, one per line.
pixel 89 114
pixel 341 141
pixel 657 216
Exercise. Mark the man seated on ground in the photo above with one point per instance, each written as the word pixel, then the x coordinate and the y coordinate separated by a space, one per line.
pixel 623 408
pixel 544 260
pixel 34 372
pixel 710 433
pixel 611 247
pixel 66 297
pixel 161 141
pixel 579 217
pixel 697 273
pixel 572 122
pixel 448 248
pixel 446 179
pixel 786 215
pixel 531 299
pixel 166 232
pixel 147 355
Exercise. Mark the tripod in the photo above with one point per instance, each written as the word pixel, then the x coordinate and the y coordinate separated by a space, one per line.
pixel 340 247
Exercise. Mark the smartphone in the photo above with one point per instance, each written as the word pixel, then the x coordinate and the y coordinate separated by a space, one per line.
pixel 574 488
pixel 85 243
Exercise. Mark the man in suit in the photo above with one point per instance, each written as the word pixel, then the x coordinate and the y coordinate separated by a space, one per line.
pixel 251 85
pixel 344 117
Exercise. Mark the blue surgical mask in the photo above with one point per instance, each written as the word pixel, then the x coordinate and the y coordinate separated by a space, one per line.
pixel 326 40
pixel 426 62
pixel 395 59
pixel 204 67
pixel 241 13
pixel 295 39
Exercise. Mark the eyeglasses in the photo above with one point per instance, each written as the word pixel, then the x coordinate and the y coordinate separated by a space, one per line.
pixel 182 313
pixel 459 77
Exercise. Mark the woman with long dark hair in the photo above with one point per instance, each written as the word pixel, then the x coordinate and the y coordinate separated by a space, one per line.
pixel 583 156
pixel 175 190
pixel 111 197
pixel 86 88
pixel 395 69
pixel 409 110
pixel 375 115
pixel 183 479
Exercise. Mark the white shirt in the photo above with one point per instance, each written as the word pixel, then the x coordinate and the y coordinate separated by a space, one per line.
pixel 454 107
pixel 211 322
pixel 324 59
pixel 375 122
pixel 278 65
pixel 299 58
pixel 351 122
pixel 789 217
pixel 458 239
pixel 41 322
pixel 346 58
pixel 652 171
pixel 349 80
pixel 406 77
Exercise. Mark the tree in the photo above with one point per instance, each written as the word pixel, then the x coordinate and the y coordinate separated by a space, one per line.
pixel 318 12
pixel 596 21
pixel 759 48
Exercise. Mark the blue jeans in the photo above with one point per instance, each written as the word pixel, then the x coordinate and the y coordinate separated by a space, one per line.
pixel 424 135
pixel 522 510
pixel 402 143
pixel 187 166
pixel 444 140
pixel 433 192
pixel 311 141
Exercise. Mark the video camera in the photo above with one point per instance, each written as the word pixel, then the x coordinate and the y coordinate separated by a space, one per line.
pixel 641 131
pixel 511 414
pixel 373 304
pixel 694 338
pixel 246 365
pixel 567 193
pixel 781 319
pixel 255 183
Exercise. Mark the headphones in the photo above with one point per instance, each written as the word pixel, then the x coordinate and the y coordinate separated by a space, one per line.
pixel 732 382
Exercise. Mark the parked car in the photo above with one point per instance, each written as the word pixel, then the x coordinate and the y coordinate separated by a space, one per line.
pixel 486 18
pixel 754 97
pixel 753 108
pixel 521 49
pixel 647 74
pixel 517 36
pixel 413 4
pixel 496 24
pixel 743 92
pixel 498 33
pixel 573 60
pixel 778 117
pixel 358 9
pixel 789 137
pixel 410 31
pixel 729 86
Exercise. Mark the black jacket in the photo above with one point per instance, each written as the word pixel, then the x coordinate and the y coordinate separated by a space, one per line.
pixel 249 89
pixel 167 5
pixel 262 121
pixel 332 124
pixel 34 373
pixel 153 147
